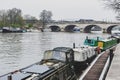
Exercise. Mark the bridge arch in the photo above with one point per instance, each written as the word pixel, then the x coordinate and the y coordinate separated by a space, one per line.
pixel 88 28
pixel 55 28
pixel 70 28
pixel 109 29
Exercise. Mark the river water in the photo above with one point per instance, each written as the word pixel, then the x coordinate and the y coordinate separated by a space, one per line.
pixel 18 50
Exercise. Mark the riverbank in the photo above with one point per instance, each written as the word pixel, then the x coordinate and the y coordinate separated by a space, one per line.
pixel 114 71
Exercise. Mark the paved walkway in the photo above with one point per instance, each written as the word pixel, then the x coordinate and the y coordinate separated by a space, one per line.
pixel 114 71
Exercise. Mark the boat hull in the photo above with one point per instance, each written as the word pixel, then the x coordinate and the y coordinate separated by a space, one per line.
pixel 12 31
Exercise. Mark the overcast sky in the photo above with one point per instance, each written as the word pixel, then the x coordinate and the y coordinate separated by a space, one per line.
pixel 63 9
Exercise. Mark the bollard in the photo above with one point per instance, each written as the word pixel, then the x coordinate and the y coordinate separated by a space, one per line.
pixel 9 77
pixel 73 45
pixel 97 38
pixel 86 37
pixel 111 54
pixel 117 40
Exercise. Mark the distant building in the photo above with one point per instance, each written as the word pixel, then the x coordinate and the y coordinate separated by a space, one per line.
pixel 86 20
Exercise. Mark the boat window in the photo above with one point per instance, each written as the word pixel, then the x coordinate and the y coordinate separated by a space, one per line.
pixel 83 55
pixel 89 41
pixel 58 55
pixel 77 55
pixel 54 55
pixel 47 54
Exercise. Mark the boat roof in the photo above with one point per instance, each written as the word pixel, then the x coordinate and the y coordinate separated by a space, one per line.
pixel 16 76
pixel 105 40
pixel 79 49
pixel 95 38
pixel 83 48
pixel 63 49
pixel 38 69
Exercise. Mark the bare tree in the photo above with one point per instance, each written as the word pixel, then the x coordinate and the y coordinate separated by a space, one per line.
pixel 45 17
pixel 115 5
pixel 15 17
pixel 3 18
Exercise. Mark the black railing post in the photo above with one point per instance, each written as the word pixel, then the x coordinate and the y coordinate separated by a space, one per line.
pixel 10 77
pixel 73 45
pixel 111 55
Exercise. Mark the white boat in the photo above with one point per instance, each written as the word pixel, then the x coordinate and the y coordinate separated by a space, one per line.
pixel 117 31
pixel 97 32
pixel 81 54
pixel 33 30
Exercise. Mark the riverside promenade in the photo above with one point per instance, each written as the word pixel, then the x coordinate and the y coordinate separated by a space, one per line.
pixel 114 71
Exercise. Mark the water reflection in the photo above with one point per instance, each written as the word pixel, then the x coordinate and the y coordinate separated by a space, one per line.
pixel 17 50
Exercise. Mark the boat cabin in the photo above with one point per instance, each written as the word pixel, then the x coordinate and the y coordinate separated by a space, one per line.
pixel 91 42
pixel 60 53
pixel 107 43
pixel 56 65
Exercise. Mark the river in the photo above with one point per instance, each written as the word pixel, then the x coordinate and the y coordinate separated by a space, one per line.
pixel 18 50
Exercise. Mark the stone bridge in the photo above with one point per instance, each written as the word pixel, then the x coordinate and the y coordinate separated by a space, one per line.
pixel 86 27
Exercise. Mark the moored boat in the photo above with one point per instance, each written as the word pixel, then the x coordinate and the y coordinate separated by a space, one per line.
pixel 83 56
pixel 103 44
pixel 115 31
pixel 56 65
pixel 12 30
